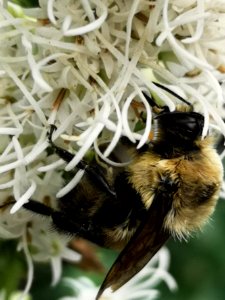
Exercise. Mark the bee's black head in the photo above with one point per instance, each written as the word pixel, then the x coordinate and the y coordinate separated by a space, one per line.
pixel 184 125
pixel 178 130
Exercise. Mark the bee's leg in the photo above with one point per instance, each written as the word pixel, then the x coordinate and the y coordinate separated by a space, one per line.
pixel 38 208
pixel 32 205
pixel 94 173
pixel 163 87
pixel 65 155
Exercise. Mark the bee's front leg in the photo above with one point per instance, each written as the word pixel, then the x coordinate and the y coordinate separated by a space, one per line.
pixel 65 155
pixel 93 172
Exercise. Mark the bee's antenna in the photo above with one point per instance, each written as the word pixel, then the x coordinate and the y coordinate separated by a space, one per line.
pixel 172 93
pixel 154 105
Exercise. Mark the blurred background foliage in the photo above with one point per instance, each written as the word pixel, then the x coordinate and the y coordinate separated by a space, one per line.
pixel 26 3
pixel 198 266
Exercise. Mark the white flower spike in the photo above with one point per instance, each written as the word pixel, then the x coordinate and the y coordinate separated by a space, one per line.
pixel 141 287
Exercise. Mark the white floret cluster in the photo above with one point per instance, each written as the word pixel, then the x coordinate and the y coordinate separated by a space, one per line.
pixel 81 65
pixel 141 287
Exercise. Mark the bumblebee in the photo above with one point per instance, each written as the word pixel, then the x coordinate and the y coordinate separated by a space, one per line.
pixel 170 188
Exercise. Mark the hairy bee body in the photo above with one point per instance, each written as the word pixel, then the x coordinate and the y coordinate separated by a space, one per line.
pixel 192 182
pixel 170 188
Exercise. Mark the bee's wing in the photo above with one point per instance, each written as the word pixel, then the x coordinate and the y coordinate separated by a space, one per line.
pixel 147 240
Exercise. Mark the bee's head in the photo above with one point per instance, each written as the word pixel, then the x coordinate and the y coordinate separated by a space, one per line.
pixel 178 129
